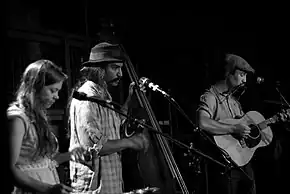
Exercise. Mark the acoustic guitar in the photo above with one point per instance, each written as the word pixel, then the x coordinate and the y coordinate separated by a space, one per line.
pixel 241 150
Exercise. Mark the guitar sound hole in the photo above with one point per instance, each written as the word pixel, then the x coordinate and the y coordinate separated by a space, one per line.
pixel 254 138
pixel 255 132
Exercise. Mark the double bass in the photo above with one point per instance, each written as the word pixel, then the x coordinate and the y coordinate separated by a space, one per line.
pixel 156 167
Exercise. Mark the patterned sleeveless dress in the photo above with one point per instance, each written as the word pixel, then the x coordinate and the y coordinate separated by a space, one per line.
pixel 38 167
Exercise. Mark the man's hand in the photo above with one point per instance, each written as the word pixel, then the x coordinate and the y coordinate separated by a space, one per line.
pixel 139 141
pixel 241 130
pixel 59 189
pixel 78 153
pixel 131 88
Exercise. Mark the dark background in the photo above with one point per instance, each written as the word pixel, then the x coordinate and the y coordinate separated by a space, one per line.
pixel 177 45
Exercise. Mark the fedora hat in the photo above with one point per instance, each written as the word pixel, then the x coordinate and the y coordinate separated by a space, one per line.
pixel 104 52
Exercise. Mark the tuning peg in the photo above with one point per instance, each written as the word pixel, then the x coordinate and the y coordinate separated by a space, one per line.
pixel 285 115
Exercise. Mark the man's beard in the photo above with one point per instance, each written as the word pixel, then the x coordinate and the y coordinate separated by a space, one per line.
pixel 118 79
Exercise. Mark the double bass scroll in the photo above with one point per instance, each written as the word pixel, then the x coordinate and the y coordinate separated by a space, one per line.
pixel 157 167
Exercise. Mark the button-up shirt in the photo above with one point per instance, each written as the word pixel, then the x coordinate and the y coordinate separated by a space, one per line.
pixel 91 125
pixel 220 105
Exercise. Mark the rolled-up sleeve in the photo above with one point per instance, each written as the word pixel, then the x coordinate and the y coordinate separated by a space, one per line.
pixel 88 124
pixel 207 102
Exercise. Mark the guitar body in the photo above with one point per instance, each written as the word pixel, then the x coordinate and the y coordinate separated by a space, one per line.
pixel 242 150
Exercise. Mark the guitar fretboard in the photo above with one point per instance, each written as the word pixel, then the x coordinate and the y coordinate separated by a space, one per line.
pixel 267 122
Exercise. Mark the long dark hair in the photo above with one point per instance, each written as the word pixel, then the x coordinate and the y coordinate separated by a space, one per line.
pixel 37 75
pixel 87 73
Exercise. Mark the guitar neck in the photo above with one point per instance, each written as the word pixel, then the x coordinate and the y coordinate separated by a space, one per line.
pixel 267 122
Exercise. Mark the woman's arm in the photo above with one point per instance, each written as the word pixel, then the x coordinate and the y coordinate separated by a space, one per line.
pixel 16 133
pixel 75 154
pixel 62 157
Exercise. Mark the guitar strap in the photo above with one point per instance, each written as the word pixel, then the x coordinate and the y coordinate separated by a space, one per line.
pixel 224 102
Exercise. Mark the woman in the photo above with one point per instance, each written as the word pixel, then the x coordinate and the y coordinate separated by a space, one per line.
pixel 33 147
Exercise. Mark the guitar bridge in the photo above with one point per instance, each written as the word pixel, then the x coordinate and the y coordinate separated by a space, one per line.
pixel 243 143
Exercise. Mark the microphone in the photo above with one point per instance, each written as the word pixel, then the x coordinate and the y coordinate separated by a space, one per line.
pixel 260 80
pixel 83 96
pixel 79 95
pixel 148 83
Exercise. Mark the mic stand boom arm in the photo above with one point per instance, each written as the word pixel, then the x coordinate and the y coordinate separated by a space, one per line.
pixel 81 96
pixel 280 94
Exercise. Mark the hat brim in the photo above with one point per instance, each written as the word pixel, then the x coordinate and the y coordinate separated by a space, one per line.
pixel 95 62
pixel 246 69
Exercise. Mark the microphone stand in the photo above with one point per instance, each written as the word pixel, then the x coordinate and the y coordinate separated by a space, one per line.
pixel 170 124
pixel 230 163
pixel 280 94
pixel 109 105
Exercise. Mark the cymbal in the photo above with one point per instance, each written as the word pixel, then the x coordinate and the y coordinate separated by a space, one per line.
pixel 275 102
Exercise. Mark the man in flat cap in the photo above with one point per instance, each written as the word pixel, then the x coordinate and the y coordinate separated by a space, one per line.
pixel 97 128
pixel 219 103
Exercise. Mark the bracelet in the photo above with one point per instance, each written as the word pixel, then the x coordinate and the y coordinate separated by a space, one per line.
pixel 54 163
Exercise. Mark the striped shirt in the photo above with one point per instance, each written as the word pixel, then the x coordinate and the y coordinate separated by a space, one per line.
pixel 92 125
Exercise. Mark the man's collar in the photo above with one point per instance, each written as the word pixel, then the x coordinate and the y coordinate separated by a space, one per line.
pixel 93 89
pixel 217 87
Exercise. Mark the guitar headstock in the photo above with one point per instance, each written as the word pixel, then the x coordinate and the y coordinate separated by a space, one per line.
pixel 284 115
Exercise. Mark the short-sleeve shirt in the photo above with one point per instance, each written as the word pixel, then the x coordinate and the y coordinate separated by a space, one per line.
pixel 219 105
